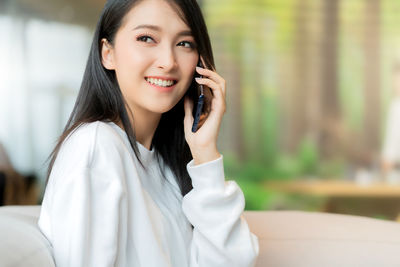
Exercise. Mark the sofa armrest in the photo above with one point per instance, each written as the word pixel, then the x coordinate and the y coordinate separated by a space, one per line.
pixel 308 239
pixel 286 238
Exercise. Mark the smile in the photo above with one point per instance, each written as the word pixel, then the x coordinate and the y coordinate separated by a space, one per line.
pixel 160 82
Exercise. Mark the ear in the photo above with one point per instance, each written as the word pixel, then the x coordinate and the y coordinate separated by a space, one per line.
pixel 107 55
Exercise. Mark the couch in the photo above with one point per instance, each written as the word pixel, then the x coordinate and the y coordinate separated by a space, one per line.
pixel 286 238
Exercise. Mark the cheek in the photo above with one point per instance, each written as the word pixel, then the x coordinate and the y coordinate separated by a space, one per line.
pixel 131 59
pixel 188 67
pixel 127 54
pixel 130 68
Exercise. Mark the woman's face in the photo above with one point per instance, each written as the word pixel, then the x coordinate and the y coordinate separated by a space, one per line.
pixel 152 43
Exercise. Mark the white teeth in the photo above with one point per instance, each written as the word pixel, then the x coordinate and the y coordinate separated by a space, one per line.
pixel 160 82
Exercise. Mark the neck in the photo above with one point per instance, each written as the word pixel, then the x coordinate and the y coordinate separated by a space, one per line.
pixel 144 125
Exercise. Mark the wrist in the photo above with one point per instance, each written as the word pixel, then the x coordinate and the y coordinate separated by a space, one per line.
pixel 205 155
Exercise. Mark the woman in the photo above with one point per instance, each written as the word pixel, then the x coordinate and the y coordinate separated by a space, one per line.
pixel 129 183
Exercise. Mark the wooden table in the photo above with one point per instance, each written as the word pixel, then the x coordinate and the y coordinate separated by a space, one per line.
pixel 347 197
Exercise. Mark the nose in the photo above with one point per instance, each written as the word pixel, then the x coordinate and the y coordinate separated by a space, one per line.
pixel 167 59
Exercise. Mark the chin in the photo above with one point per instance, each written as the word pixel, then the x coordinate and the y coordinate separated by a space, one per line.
pixel 164 106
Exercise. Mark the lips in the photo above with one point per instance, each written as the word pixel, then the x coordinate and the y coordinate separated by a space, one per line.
pixel 161 84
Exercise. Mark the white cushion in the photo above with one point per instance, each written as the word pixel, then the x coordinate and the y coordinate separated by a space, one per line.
pixel 21 242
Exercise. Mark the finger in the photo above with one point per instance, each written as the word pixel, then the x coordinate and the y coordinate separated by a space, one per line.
pixel 218 95
pixel 212 75
pixel 221 81
pixel 216 88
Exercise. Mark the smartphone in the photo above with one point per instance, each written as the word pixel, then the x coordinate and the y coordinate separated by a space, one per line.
pixel 200 102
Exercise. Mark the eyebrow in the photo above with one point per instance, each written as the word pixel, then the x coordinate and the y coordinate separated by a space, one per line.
pixel 158 29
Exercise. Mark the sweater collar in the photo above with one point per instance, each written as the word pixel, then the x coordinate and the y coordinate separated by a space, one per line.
pixel 145 154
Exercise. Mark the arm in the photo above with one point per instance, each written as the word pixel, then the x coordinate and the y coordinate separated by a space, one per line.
pixel 84 208
pixel 221 236
pixel 86 220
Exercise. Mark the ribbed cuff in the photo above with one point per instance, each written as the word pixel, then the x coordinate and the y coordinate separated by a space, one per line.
pixel 208 174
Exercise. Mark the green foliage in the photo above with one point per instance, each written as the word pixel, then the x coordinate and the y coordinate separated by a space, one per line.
pixel 334 168
pixel 260 38
pixel 283 169
pixel 256 197
pixel 251 175
pixel 308 157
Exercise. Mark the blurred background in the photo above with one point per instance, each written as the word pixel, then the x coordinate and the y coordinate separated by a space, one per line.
pixel 313 89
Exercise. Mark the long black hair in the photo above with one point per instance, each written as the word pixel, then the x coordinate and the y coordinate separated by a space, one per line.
pixel 100 98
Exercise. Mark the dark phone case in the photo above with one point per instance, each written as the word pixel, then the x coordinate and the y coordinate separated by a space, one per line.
pixel 199 106
pixel 198 113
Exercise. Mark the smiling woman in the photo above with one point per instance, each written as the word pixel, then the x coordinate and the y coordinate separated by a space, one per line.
pixel 156 43
pixel 129 183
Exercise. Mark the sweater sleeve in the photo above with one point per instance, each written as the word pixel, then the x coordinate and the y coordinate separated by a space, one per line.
pixel 86 225
pixel 221 236
pixel 83 212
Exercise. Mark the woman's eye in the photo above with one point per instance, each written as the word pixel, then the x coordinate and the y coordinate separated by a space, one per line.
pixel 144 38
pixel 149 39
pixel 187 44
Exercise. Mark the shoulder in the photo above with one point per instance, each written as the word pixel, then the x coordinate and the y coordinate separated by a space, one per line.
pixel 91 147
pixel 109 144
pixel 88 139
pixel 90 132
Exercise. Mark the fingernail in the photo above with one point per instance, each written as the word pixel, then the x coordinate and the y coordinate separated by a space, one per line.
pixel 197 79
pixel 198 68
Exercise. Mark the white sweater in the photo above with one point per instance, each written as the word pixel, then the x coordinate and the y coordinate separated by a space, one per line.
pixel 101 208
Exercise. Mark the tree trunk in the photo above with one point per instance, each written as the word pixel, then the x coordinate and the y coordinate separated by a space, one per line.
pixel 330 109
pixel 299 95
pixel 372 107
